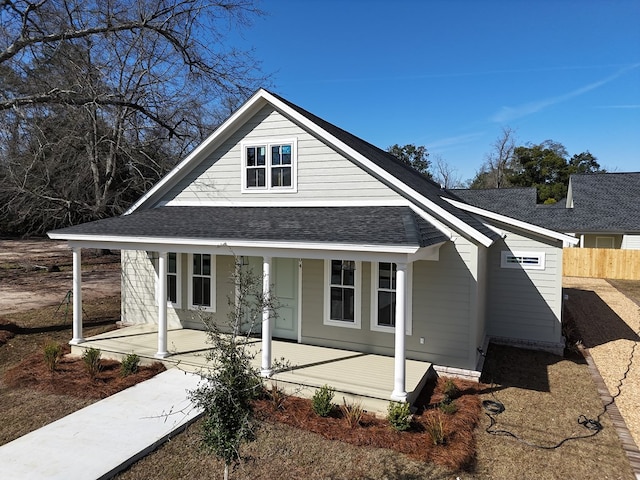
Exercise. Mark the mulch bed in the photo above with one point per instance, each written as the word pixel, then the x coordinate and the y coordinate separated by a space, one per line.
pixel 456 453
pixel 72 378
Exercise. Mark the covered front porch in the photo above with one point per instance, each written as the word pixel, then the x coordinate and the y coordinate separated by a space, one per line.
pixel 354 375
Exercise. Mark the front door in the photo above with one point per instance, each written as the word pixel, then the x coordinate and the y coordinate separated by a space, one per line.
pixel 285 284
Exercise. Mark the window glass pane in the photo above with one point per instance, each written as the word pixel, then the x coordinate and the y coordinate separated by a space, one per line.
pixel 275 155
pixel 197 264
pixel 336 303
pixel 197 291
pixel 206 292
pixel 285 154
pixel 206 264
pixel 171 264
pixel 348 295
pixel 384 275
pixel 336 272
pixel 172 288
pixel 261 156
pixel 393 276
pixel 256 177
pixel 281 177
pixel 251 156
pixel 386 309
pixel 348 276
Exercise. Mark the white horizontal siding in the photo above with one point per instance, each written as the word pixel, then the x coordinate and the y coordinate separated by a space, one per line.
pixel 525 304
pixel 322 173
pixel 631 242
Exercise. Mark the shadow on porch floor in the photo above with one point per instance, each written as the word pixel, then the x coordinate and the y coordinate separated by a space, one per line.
pixel 355 376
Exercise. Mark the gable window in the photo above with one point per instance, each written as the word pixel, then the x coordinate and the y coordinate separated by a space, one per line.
pixel 269 166
pixel 523 260
pixel 383 297
pixel 202 282
pixel 342 293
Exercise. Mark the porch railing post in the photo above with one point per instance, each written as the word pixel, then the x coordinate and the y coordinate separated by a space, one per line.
pixel 162 306
pixel 77 297
pixel 266 370
pixel 399 392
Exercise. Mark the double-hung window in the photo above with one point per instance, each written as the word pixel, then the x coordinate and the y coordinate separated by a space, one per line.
pixel 269 166
pixel 202 281
pixel 342 293
pixel 173 279
pixel 384 298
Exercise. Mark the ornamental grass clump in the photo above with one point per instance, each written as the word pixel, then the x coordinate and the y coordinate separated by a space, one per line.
pixel 352 413
pixel 322 401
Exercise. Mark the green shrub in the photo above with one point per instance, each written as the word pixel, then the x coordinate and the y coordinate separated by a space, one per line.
pixel 52 355
pixel 91 359
pixel 399 415
pixel 321 401
pixel 450 389
pixel 352 412
pixel 449 407
pixel 129 365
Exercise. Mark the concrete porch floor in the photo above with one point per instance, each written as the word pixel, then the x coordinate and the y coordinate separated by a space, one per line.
pixel 355 376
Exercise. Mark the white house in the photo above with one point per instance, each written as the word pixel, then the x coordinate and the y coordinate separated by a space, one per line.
pixel 364 253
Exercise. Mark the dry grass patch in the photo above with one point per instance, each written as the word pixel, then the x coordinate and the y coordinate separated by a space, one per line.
pixel 630 288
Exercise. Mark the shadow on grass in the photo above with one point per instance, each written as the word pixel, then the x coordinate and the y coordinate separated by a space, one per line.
pixel 506 367
pixel 596 323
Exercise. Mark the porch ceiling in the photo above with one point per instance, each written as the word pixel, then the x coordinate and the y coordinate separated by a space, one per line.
pixel 366 377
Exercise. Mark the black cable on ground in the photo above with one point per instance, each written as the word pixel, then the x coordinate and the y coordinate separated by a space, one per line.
pixel 495 407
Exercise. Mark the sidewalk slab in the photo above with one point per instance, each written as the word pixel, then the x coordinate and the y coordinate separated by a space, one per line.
pixel 107 436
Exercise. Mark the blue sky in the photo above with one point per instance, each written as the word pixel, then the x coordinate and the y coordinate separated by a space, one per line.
pixel 450 74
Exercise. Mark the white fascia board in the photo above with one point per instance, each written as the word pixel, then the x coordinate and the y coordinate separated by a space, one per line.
pixel 91 240
pixel 545 232
pixel 446 216
pixel 207 146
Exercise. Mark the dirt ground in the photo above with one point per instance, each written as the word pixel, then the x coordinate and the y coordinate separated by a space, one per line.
pixel 28 276
pixel 609 326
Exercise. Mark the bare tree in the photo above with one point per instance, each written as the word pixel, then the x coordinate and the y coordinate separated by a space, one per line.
pixel 99 98
pixel 445 174
pixel 499 162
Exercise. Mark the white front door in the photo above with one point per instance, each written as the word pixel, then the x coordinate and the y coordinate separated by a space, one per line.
pixel 285 284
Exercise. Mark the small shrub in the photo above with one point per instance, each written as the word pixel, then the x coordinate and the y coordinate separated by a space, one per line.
pixel 449 407
pixel 91 359
pixel 129 365
pixel 435 427
pixel 399 415
pixel 52 355
pixel 352 412
pixel 321 401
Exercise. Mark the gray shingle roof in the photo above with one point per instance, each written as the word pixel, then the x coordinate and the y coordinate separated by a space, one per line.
pixel 391 226
pixel 602 202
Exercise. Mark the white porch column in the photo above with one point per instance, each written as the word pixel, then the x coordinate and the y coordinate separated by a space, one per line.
pixel 162 306
pixel 582 240
pixel 399 393
pixel 266 370
pixel 77 297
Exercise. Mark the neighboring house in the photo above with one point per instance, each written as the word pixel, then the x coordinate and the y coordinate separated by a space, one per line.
pixel 364 253
pixel 601 209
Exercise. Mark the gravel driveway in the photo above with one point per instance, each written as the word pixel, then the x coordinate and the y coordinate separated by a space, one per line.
pixel 609 326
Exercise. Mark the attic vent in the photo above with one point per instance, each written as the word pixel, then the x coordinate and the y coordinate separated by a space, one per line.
pixel 522 260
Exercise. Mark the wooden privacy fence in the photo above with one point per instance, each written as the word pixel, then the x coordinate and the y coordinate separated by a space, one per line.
pixel 601 263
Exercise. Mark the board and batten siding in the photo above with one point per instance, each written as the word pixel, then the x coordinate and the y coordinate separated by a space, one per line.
pixel 322 173
pixel 525 304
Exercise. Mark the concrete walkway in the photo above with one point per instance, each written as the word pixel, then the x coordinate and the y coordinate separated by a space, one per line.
pixel 107 436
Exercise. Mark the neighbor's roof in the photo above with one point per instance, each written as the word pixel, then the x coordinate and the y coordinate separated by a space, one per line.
pixel 385 226
pixel 602 202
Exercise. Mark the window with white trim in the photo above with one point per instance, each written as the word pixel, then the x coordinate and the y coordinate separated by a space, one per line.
pixel 202 281
pixel 342 293
pixel 383 297
pixel 173 279
pixel 522 260
pixel 269 166
pixel 605 242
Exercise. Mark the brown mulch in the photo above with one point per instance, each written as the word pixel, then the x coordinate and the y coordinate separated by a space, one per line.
pixel 456 453
pixel 71 377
